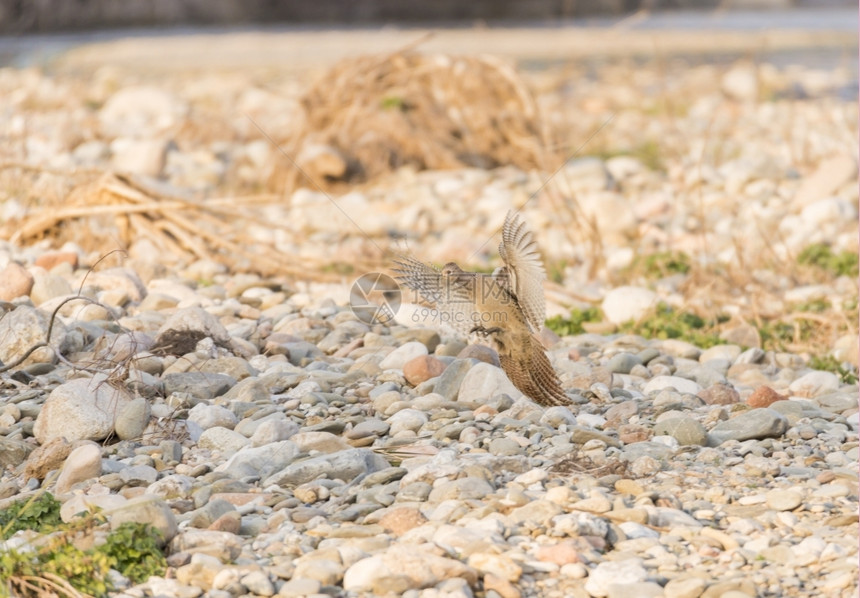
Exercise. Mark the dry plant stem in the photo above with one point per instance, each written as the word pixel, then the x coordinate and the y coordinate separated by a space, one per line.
pixel 55 584
pixel 27 353
pixel 53 171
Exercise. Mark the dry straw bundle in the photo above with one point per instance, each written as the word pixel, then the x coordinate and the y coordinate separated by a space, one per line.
pixel 117 209
pixel 370 115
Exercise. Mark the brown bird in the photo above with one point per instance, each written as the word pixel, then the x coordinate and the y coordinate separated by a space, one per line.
pixel 508 307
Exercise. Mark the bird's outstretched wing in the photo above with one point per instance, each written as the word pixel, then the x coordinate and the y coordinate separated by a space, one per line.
pixel 452 298
pixel 532 373
pixel 524 269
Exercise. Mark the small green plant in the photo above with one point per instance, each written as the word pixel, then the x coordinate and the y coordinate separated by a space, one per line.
pixel 133 550
pixel 648 152
pixel 40 513
pixel 828 363
pixel 664 263
pixel 776 335
pixel 57 567
pixel 667 322
pixel 573 325
pixel 555 271
pixel 341 268
pixel 393 103
pixel 821 256
pixel 815 306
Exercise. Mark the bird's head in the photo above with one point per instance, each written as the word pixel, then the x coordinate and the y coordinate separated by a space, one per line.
pixel 452 269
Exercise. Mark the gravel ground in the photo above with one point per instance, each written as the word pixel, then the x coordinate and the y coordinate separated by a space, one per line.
pixel 285 447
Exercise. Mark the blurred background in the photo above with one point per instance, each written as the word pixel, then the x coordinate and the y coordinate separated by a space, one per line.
pixel 27 16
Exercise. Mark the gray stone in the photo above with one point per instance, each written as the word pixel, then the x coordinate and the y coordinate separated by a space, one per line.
pixel 784 500
pixel 81 409
pixel 207 514
pixel 461 489
pixel 448 384
pixel 655 450
pixel 210 416
pixel 202 386
pixel 223 440
pixel 133 419
pixel 481 383
pixel 368 427
pixel 401 568
pixel 622 363
pixel 684 429
pixel 138 475
pixel 754 424
pixel 608 573
pixel 273 430
pixel 344 465
pixel 684 587
pixel 260 462
pixel 13 452
pixel 626 303
pixel 195 319
pixel 146 509
pixel 505 447
pixel 24 327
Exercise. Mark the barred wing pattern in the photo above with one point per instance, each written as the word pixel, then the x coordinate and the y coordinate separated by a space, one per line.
pixel 452 298
pixel 524 269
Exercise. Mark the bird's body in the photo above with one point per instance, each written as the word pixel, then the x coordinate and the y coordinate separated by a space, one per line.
pixel 506 307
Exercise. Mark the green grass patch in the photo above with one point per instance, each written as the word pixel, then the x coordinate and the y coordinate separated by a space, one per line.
pixel 393 103
pixel 57 567
pixel 573 325
pixel 133 550
pixel 648 152
pixel 667 322
pixel 341 268
pixel 661 264
pixel 40 513
pixel 821 256
pixel 828 363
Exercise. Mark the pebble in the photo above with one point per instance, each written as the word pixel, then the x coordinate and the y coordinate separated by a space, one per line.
pixel 15 281
pixel 83 463
pixel 482 382
pixel 81 409
pixel 754 424
pixel 624 304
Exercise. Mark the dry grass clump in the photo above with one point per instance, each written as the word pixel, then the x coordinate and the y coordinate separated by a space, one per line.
pixel 116 209
pixel 374 114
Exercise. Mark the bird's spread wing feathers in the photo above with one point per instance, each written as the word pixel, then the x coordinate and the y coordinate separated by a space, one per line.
pixel 452 299
pixel 524 269
pixel 532 373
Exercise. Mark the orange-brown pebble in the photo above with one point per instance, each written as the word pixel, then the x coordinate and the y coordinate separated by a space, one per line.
pixel 15 281
pixel 630 433
pixel 491 411
pixel 400 520
pixel 422 368
pixel 54 258
pixel 560 554
pixel 764 396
